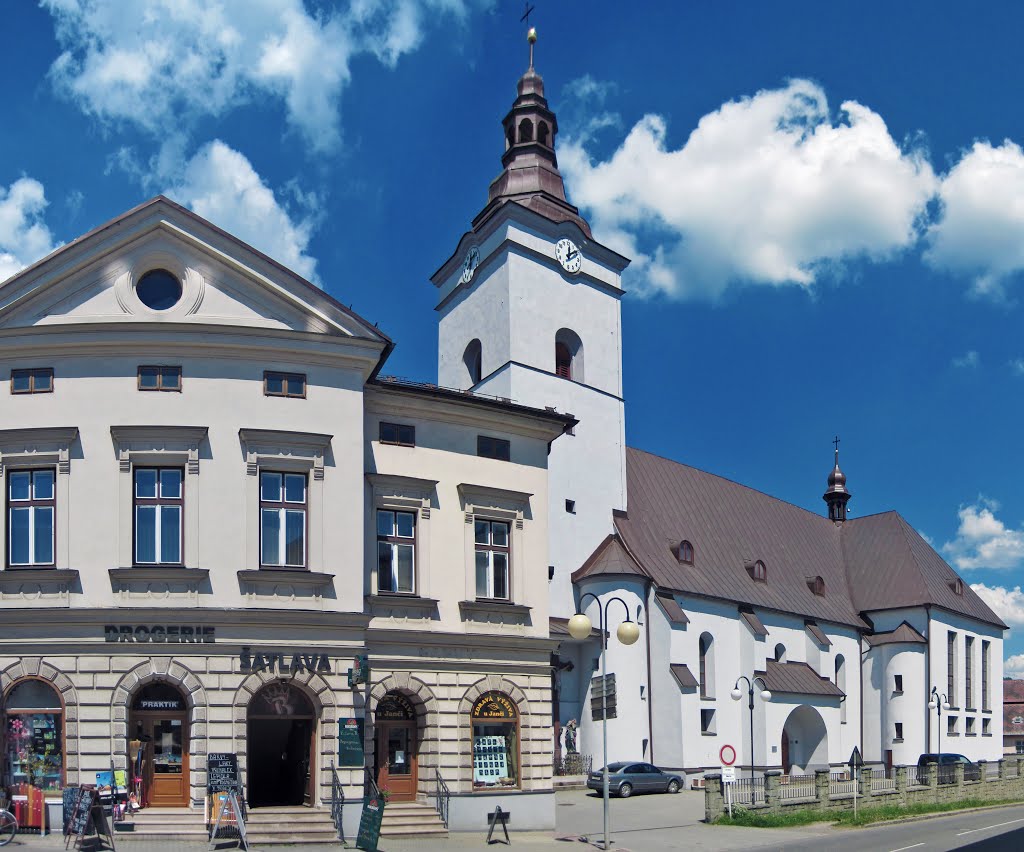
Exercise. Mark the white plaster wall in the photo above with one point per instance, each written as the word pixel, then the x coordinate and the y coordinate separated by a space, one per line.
pixel 910 708
pixel 224 393
pixel 979 746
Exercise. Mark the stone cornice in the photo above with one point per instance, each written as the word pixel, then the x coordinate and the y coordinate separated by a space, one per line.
pixel 467 491
pixel 467 641
pixel 283 617
pixel 190 435
pixel 53 436
pixel 258 438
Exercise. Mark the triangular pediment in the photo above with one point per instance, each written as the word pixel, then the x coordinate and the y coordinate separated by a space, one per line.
pixel 224 282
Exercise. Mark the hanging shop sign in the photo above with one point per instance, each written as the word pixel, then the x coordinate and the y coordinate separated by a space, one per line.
pixel 160 633
pixel 285 664
pixel 395 706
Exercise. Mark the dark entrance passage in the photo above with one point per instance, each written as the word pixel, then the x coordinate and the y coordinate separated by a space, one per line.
pixel 282 728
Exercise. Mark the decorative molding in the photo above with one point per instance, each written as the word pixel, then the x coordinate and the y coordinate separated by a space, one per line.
pixel 46 444
pixel 158 572
pixel 278 576
pixel 494 606
pixel 274 445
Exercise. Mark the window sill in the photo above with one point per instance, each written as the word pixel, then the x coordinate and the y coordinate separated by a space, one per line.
pixel 400 601
pixel 64 576
pixel 952 734
pixel 986 735
pixel 896 692
pixel 493 605
pixel 707 698
pixel 291 576
pixel 158 572
pixel 897 739
pixel 970 734
pixel 708 734
pixel 970 709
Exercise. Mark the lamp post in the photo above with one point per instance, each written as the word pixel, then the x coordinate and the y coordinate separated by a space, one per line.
pixel 939 702
pixel 627 633
pixel 737 694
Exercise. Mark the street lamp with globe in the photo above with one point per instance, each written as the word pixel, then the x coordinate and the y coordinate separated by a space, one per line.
pixel 628 631
pixel 939 702
pixel 766 696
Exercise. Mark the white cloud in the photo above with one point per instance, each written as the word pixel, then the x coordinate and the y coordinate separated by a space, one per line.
pixel 1008 604
pixel 1017 366
pixel 24 236
pixel 968 360
pixel 1014 666
pixel 767 190
pixel 163 64
pixel 983 541
pixel 980 228
pixel 221 185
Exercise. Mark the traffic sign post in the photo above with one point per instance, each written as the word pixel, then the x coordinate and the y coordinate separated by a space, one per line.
pixel 727 754
pixel 856 762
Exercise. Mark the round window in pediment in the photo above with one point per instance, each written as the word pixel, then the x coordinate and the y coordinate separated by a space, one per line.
pixel 159 290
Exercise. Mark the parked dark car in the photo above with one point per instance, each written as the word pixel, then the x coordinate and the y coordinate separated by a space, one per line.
pixel 625 779
pixel 947 761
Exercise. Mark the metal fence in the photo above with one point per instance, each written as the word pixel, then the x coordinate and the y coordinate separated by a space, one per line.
pixel 841 784
pixel 947 773
pixel 748 791
pixel 991 771
pixel 917 776
pixel 1011 768
pixel 972 772
pixel 883 779
pixel 796 787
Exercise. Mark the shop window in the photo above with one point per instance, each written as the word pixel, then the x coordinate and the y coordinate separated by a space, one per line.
pixel 34 736
pixel 282 520
pixel 396 552
pixel 495 720
pixel 31 504
pixel 492 559
pixel 159 504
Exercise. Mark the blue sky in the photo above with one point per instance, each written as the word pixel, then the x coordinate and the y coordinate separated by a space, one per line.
pixel 824 203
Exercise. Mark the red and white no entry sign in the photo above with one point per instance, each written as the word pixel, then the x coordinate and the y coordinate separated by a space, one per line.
pixel 727 754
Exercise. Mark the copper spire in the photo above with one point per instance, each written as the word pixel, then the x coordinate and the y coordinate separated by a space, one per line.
pixel 836 496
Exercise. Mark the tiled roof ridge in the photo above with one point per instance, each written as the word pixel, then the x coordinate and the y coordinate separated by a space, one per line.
pixel 733 482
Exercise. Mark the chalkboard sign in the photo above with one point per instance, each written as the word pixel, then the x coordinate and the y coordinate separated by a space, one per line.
pixel 221 771
pixel 70 797
pixel 350 742
pixel 369 825
pixel 83 810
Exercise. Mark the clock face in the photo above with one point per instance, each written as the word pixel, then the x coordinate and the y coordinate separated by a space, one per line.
pixel 470 264
pixel 567 254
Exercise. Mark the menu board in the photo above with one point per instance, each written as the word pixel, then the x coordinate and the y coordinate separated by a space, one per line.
pixel 79 823
pixel 369 825
pixel 221 771
pixel 350 742
pixel 70 798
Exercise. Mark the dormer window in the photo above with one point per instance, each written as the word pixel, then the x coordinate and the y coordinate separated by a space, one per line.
pixel 758 572
pixel 686 552
pixel 957 586
pixel 816 585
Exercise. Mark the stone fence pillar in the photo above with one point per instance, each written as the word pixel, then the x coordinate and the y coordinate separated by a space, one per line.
pixel 864 781
pixel 821 785
pixel 983 770
pixel 1002 769
pixel 932 774
pixel 901 784
pixel 771 788
pixel 1020 764
pixel 714 801
pixel 958 774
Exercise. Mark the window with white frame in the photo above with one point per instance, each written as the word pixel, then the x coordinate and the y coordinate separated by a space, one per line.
pixel 282 519
pixel 159 507
pixel 31 503
pixel 396 552
pixel 493 552
pixel 1020 746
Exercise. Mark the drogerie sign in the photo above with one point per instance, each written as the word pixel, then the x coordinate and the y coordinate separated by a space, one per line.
pixel 160 633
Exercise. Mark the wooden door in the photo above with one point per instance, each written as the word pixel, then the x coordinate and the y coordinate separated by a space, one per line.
pixel 785 753
pixel 396 756
pixel 166 758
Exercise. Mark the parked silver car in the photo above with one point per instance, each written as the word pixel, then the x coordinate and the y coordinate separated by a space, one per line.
pixel 625 779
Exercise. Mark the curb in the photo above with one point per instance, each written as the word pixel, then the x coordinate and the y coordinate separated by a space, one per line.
pixel 922 817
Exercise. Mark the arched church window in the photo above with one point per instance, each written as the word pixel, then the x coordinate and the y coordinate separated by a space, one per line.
pixel 473 359
pixel 686 552
pixel 780 653
pixel 568 355
pixel 706 678
pixel 495 721
pixel 34 735
pixel 542 133
pixel 758 572
pixel 526 130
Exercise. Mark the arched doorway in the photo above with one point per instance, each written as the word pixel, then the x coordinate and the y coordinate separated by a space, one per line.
pixel 396 746
pixel 804 742
pixel 158 745
pixel 282 727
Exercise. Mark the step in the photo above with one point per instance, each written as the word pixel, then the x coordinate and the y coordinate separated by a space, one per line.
pixel 413 830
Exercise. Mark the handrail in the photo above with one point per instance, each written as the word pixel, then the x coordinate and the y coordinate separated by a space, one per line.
pixel 442 797
pixel 370 788
pixel 337 803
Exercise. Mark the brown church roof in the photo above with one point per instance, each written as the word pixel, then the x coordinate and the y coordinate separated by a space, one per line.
pixel 796 678
pixel 1013 691
pixel 684 677
pixel 877 562
pixel 903 633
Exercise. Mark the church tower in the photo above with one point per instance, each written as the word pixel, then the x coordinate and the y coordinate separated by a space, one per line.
pixel 836 496
pixel 529 308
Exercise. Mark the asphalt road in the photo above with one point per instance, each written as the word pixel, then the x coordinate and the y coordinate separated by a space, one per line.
pixel 997 830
